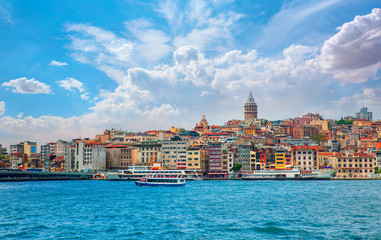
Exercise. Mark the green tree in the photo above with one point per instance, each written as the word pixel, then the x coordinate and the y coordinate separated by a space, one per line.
pixel 343 122
pixel 236 167
pixel 376 170
pixel 318 138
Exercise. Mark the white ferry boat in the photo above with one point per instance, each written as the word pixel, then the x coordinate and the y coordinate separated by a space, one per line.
pixel 138 172
pixel 291 174
pixel 162 180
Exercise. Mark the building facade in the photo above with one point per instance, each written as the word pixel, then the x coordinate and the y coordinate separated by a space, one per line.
pixel 305 157
pixel 175 153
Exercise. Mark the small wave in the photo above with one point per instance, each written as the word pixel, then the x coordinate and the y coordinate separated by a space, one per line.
pixel 273 230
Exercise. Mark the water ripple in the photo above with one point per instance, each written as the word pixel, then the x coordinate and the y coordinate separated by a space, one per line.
pixel 201 210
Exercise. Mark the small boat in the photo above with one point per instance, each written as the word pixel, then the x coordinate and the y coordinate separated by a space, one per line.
pixel 161 180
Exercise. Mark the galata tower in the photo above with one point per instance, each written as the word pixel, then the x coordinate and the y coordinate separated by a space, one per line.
pixel 251 108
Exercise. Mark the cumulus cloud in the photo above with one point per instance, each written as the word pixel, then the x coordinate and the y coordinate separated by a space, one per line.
pixel 354 53
pixel 2 107
pixel 71 84
pixel 57 63
pixel 27 86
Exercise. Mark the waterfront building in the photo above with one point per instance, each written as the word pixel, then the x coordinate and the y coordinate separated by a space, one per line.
pixel 197 158
pixel 29 147
pixel 254 161
pixel 232 158
pixel 118 157
pixel 34 161
pixel 44 151
pixel 145 150
pixel 69 157
pixel 326 159
pixel 215 159
pixel 282 159
pixel 90 156
pixel 175 153
pixel 17 160
pixel 377 153
pixel 305 157
pixel 25 148
pixel 16 148
pixel 354 165
pixel 364 114
pixel 243 157
pixel 250 108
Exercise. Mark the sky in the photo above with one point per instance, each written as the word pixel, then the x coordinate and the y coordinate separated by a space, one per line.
pixel 71 69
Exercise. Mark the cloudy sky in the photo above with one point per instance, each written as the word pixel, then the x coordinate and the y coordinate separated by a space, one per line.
pixel 73 68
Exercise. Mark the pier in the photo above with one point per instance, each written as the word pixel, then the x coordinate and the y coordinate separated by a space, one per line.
pixel 18 176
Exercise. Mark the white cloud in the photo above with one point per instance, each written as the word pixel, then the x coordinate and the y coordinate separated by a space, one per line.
pixel 354 53
pixel 152 44
pixel 57 63
pixel 2 107
pixel 214 33
pixel 164 109
pixel 5 15
pixel 84 96
pixel 71 84
pixel 27 86
pixel 204 93
pixel 96 46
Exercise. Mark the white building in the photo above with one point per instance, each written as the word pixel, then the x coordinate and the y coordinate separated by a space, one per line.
pixel 175 153
pixel 305 157
pixel 90 156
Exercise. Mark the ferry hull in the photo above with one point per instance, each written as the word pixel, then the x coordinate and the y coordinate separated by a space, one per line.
pixel 145 184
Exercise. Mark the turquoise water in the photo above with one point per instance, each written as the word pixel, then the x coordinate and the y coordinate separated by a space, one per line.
pixel 201 210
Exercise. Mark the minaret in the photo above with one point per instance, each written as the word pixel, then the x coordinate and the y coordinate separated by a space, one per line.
pixel 251 108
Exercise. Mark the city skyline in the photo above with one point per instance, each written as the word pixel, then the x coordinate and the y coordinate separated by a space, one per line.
pixel 68 73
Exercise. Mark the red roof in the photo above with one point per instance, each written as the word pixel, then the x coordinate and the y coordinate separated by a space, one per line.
pixel 116 146
pixel 306 147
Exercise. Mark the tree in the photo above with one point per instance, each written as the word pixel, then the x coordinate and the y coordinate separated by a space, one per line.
pixel 343 122
pixel 318 138
pixel 236 167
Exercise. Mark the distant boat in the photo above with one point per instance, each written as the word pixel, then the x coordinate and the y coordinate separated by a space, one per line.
pixel 291 174
pixel 162 180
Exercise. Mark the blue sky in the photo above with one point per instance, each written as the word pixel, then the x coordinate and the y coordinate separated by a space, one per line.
pixel 74 68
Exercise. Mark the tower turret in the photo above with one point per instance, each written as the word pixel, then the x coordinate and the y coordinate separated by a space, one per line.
pixel 251 108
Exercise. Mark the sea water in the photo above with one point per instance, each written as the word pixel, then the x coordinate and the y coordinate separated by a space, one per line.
pixel 201 210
